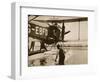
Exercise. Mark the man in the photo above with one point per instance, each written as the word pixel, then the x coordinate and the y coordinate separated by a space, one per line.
pixel 61 55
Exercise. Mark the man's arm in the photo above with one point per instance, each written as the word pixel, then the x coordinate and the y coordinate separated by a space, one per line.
pixel 56 56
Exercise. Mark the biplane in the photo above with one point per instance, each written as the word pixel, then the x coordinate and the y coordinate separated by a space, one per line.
pixel 47 30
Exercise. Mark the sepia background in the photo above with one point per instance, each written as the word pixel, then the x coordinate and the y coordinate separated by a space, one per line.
pixel 75 43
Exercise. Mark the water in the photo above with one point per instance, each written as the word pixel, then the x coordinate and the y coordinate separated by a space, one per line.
pixel 73 56
pixel 77 57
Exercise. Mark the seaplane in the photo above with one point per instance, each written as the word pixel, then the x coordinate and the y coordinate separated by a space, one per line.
pixel 47 30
